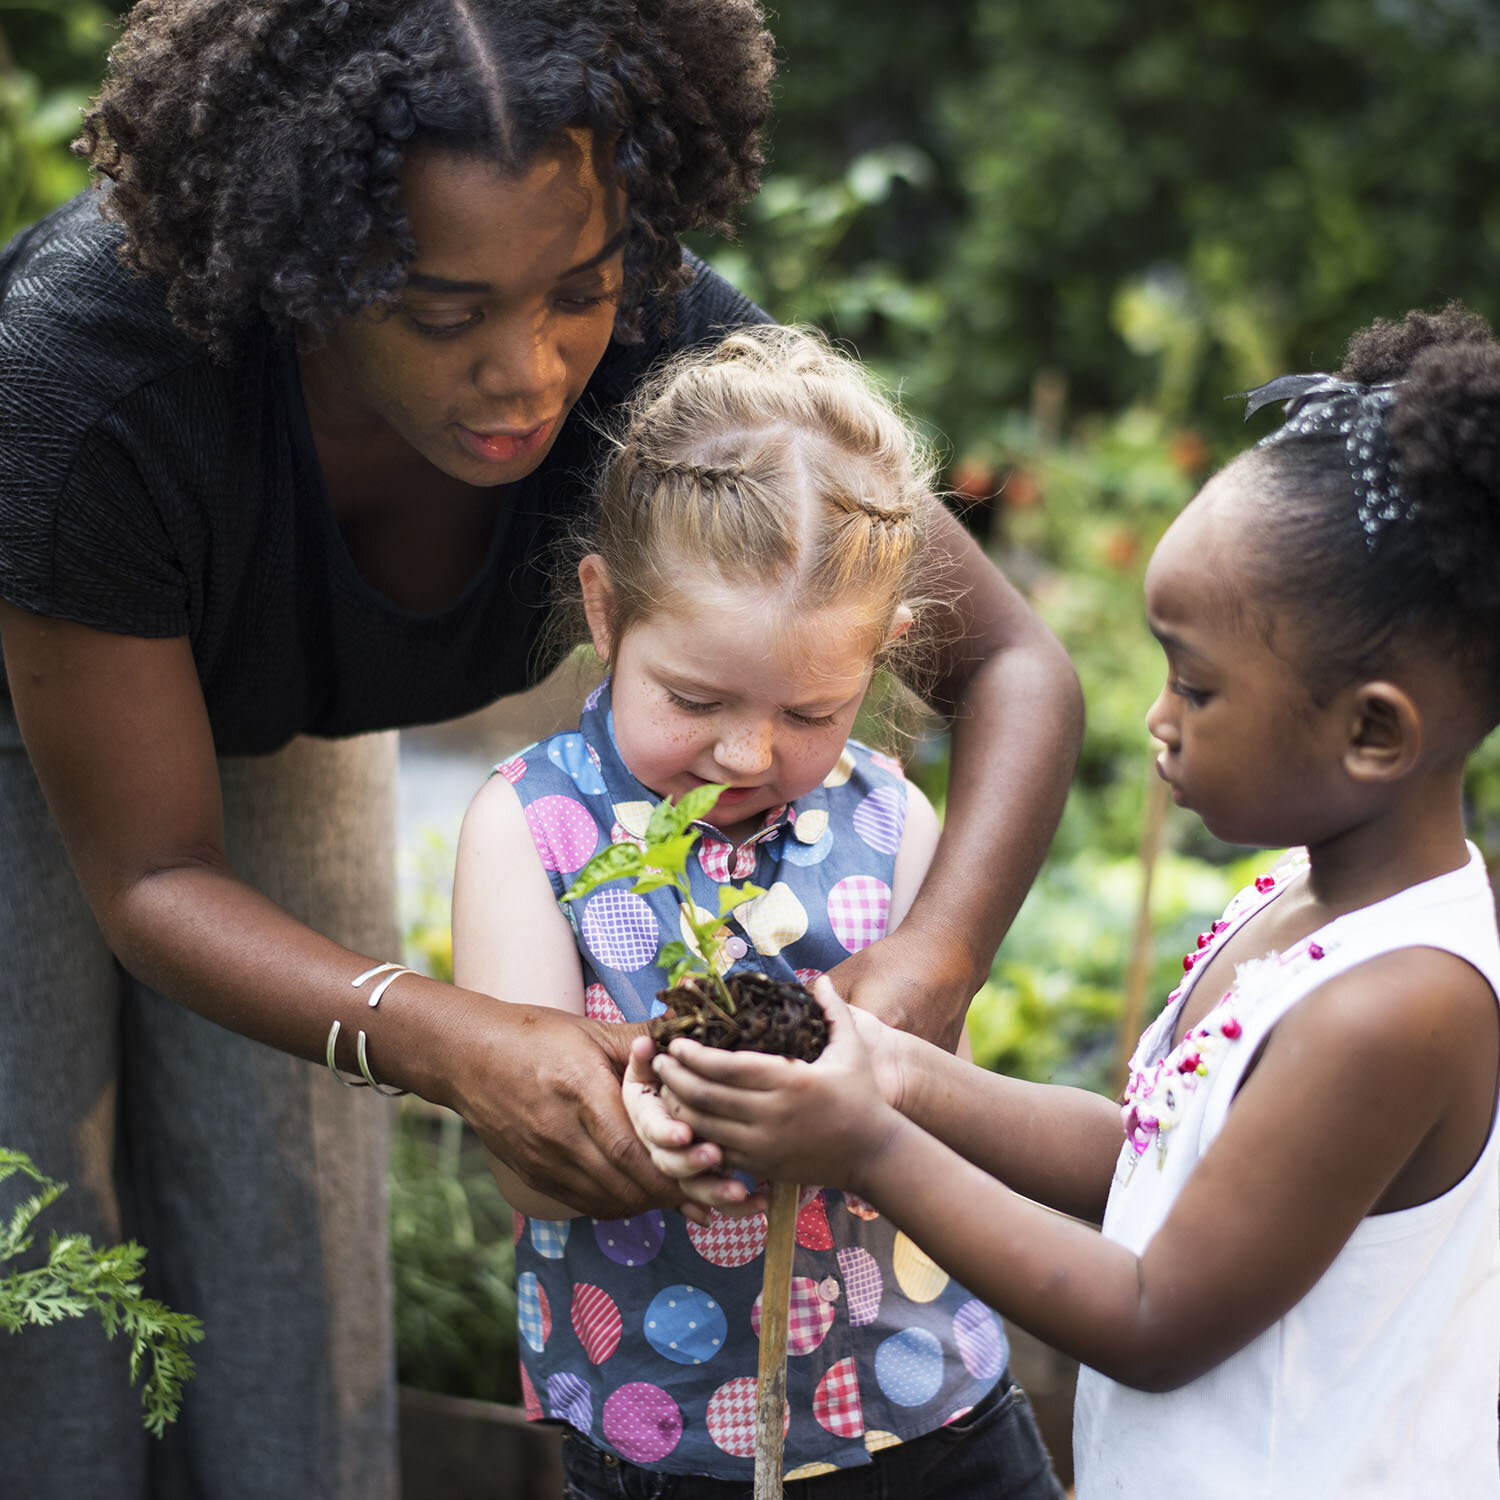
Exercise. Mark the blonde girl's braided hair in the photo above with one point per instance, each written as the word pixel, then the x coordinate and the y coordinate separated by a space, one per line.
pixel 770 457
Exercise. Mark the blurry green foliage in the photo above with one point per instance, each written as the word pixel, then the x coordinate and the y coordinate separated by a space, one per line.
pixel 1282 171
pixel 425 901
pixel 1051 1008
pixel 452 1244
pixel 453 1259
pixel 51 58
pixel 1302 167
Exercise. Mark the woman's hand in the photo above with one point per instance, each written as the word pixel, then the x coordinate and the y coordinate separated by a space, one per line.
pixel 780 1119
pixel 542 1090
pixel 903 981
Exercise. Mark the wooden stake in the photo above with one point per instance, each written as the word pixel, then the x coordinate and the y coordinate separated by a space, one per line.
pixel 1138 971
pixel 775 1303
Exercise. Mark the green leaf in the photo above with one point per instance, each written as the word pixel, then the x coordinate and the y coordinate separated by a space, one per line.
pixel 669 818
pixel 664 822
pixel 614 863
pixel 79 1279
pixel 699 802
pixel 653 880
pixel 671 853
pixel 704 928
pixel 674 953
pixel 12 1162
pixel 731 896
pixel 14 1238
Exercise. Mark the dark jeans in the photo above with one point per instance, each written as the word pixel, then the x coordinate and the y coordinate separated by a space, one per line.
pixel 994 1452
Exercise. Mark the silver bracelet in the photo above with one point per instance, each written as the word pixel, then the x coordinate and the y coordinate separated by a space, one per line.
pixel 391 973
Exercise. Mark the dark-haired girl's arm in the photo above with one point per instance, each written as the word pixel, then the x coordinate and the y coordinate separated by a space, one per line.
pixel 117 730
pixel 1372 1095
pixel 1015 711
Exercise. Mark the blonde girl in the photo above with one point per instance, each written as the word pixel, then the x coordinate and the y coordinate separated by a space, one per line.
pixel 760 544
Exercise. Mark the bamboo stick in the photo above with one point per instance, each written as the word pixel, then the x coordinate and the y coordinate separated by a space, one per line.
pixel 775 1302
pixel 1153 818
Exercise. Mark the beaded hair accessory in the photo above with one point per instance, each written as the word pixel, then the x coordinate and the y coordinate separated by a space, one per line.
pixel 1357 413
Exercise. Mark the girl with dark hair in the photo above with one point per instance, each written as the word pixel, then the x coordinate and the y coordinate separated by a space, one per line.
pixel 292 429
pixel 1297 1287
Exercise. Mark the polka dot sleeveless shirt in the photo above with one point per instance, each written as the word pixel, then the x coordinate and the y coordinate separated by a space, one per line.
pixel 643 1333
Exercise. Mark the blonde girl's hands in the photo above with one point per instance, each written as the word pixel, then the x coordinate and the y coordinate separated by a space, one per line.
pixel 674 1151
pixel 780 1119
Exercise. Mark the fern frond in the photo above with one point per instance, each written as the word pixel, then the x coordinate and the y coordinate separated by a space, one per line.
pixel 80 1278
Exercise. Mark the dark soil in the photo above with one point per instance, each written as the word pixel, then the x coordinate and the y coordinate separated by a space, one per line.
pixel 771 1015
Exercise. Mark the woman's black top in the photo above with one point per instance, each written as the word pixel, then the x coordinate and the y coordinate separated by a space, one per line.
pixel 150 490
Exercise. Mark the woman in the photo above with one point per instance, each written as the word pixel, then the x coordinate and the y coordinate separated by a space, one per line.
pixel 290 474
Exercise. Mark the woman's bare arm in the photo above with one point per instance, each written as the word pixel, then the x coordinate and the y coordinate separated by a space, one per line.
pixel 119 735
pixel 1016 715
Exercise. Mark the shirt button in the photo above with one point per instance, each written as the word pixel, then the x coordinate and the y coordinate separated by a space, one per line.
pixel 828 1289
pixel 736 947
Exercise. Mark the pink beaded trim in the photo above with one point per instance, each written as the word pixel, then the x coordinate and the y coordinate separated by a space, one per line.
pixel 1157 1092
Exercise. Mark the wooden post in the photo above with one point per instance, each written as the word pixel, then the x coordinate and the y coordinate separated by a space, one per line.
pixel 1138 970
pixel 775 1303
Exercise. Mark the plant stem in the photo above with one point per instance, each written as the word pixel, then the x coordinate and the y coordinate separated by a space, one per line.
pixel 727 1000
pixel 708 945
pixel 775 1303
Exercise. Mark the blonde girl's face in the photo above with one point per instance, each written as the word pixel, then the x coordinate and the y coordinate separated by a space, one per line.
pixel 737 686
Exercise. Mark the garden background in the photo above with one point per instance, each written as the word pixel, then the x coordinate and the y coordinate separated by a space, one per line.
pixel 1065 232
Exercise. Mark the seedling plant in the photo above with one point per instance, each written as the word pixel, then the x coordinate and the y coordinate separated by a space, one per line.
pixel 750 1012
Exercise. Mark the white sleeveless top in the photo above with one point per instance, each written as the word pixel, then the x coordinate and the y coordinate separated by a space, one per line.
pixel 1382 1383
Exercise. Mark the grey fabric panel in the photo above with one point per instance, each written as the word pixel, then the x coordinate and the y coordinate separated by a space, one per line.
pixel 256 1182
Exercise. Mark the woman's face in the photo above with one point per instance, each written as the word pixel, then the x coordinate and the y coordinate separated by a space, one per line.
pixel 508 307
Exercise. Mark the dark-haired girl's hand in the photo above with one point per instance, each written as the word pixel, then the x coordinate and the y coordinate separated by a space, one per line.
pixel 780 1119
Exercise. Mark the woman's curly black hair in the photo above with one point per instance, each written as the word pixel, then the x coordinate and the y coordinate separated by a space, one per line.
pixel 1433 576
pixel 253 145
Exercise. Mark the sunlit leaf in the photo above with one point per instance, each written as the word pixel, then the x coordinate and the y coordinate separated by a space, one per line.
pixel 613 863
pixel 673 953
pixel 670 853
pixel 732 896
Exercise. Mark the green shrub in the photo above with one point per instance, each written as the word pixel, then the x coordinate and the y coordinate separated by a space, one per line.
pixel 453 1254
